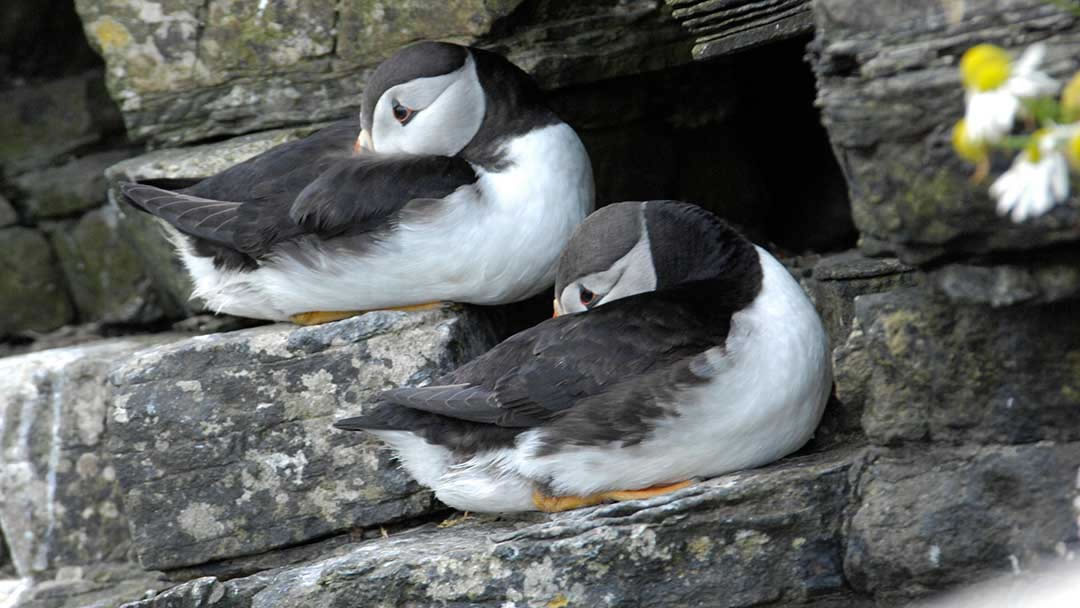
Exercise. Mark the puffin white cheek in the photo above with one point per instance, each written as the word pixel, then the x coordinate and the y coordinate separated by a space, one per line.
pixel 570 301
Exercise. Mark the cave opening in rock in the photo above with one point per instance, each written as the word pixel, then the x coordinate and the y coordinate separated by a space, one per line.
pixel 740 136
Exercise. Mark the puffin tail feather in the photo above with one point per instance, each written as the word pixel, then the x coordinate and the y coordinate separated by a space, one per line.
pixel 208 219
pixel 382 416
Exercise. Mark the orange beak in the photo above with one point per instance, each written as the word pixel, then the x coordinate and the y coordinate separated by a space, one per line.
pixel 363 143
pixel 555 306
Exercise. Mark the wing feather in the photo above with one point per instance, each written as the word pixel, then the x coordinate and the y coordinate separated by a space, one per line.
pixel 312 186
pixel 545 371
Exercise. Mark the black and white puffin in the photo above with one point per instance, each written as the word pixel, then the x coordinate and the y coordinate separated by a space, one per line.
pixel 462 186
pixel 682 351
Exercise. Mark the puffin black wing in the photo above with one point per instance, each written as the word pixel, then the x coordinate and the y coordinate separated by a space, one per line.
pixel 310 186
pixel 545 370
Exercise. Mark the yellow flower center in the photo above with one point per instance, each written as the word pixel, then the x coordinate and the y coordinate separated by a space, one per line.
pixel 1070 99
pixel 1032 149
pixel 966 148
pixel 985 67
pixel 1072 151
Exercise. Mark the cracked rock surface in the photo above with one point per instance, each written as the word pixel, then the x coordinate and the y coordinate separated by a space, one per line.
pixel 223 447
pixel 764 536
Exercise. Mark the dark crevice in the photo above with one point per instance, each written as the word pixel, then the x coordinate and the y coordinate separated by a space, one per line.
pixel 739 136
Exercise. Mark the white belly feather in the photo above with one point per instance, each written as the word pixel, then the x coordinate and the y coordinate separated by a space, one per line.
pixel 492 242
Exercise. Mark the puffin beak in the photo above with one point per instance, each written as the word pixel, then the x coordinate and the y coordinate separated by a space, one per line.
pixel 363 143
pixel 555 306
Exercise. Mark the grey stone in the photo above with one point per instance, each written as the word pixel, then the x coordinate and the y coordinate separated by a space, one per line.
pixel 928 519
pixel 207 591
pixel 747 538
pixel 45 122
pixel 833 282
pixel 889 90
pixel 726 27
pixel 61 506
pixel 928 369
pixel 94 586
pixel 106 276
pixel 7 213
pixel 223 444
pixel 836 280
pixel 32 293
pixel 1034 282
pixel 68 189
pixel 246 67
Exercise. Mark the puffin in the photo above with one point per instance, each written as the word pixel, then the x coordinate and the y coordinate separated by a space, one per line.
pixel 679 351
pixel 458 183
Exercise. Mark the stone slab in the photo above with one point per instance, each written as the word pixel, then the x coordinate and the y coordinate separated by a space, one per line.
pixel 69 189
pixel 929 369
pixel 762 537
pixel 889 91
pixel 32 292
pixel 245 67
pixel 7 213
pixel 108 280
pixel 46 122
pixel 59 503
pixel 925 519
pixel 223 444
pixel 1036 280
pixel 727 26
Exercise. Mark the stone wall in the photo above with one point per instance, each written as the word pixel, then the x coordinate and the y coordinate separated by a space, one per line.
pixel 174 471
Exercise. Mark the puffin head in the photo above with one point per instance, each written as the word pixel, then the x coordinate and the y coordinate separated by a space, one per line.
pixel 630 248
pixel 444 99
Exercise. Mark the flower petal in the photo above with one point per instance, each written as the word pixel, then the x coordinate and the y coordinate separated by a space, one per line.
pixel 1030 59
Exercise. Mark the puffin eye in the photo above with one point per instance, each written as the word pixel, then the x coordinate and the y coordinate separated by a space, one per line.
pixel 588 298
pixel 402 114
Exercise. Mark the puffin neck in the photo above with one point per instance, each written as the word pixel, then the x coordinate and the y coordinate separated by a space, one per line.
pixel 515 106
pixel 699 255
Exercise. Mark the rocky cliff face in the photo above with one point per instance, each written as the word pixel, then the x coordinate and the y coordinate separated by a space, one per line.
pixel 170 470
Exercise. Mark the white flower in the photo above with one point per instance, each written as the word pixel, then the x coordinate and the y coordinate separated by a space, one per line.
pixel 1037 180
pixel 995 85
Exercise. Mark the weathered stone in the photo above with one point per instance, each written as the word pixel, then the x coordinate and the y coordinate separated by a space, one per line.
pixel 1035 282
pixel 726 26
pixel 748 538
pixel 890 91
pixel 833 282
pixel 44 122
pixel 32 293
pixel 60 504
pixel 106 276
pixel 945 372
pixel 172 284
pixel 205 591
pixel 7 213
pixel 223 443
pixel 76 186
pixel 245 66
pixel 89 587
pixel 926 520
pixel 838 278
